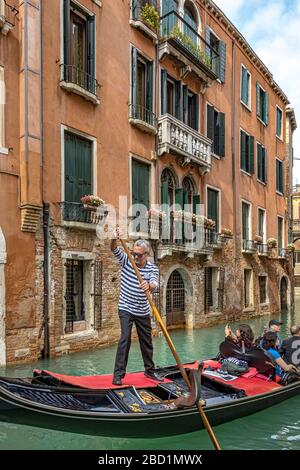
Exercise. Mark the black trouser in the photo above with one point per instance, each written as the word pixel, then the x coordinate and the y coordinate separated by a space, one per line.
pixel 143 328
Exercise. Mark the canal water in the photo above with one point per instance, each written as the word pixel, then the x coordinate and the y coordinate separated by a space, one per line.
pixel 275 428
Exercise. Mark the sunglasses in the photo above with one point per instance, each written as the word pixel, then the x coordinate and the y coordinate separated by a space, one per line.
pixel 138 255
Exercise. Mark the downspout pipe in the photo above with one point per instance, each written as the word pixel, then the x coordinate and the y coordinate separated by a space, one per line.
pixel 234 205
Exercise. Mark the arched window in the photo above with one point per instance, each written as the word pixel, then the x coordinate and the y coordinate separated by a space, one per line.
pixel 168 186
pixel 190 29
pixel 190 196
pixel 175 308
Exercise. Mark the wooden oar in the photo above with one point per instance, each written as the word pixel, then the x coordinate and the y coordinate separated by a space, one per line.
pixel 172 347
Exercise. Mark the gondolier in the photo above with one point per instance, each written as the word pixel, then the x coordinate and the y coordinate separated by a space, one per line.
pixel 134 307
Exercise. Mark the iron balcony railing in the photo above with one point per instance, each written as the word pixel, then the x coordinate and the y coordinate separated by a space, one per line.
pixel 263 249
pixel 282 253
pixel 138 5
pixel 176 29
pixel 81 78
pixel 249 246
pixel 143 114
pixel 75 212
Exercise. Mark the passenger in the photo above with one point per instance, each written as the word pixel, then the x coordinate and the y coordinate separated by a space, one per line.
pixel 270 344
pixel 291 347
pixel 244 337
pixel 274 326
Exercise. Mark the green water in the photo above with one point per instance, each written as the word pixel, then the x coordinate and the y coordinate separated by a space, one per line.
pixel 276 428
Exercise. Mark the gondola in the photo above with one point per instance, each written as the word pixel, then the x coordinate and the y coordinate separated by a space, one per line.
pixel 140 407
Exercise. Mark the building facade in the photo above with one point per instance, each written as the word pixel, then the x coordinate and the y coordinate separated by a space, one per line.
pixel 157 102
pixel 296 235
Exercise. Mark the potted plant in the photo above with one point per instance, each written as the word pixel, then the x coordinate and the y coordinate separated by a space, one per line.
pixel 209 224
pixel 290 247
pixel 150 17
pixel 272 243
pixel 91 202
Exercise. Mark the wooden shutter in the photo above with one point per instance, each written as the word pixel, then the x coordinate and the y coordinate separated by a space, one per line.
pixel 140 183
pixel 70 174
pixel 222 52
pixel 259 162
pixel 178 107
pixel 84 168
pixel 97 294
pixel 210 123
pixel 265 165
pixel 258 100
pixel 245 221
pixel 165 193
pixel 280 227
pixel 164 96
pixel 91 54
pixel 185 100
pixel 195 115
pixel 243 150
pixel 207 39
pixel 266 109
pixel 251 154
pixel 212 206
pixel 281 177
pixel 221 135
pixel 134 56
pixel 244 86
pixel 149 90
pixel 67 33
pixel 196 204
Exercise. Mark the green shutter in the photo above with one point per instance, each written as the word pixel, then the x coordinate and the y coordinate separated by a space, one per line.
pixel 258 100
pixel 210 122
pixel 265 163
pixel 251 154
pixel 91 54
pixel 149 90
pixel 178 107
pixel 281 177
pixel 221 135
pixel 134 55
pixel 140 183
pixel 185 100
pixel 243 151
pixel 212 206
pixel 266 109
pixel 195 116
pixel 165 193
pixel 207 39
pixel 277 175
pixel 185 200
pixel 67 33
pixel 244 86
pixel 196 204
pixel 222 52
pixel 70 176
pixel 164 96
pixel 78 168
pixel 280 226
pixel 259 161
pixel 179 197
pixel 245 221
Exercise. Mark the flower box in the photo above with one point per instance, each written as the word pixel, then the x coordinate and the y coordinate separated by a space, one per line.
pixel 272 243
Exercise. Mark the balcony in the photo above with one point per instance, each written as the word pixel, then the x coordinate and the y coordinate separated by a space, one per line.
pixel 143 119
pixel 283 253
pixel 249 247
pixel 181 140
pixel 181 41
pixel 138 21
pixel 7 17
pixel 74 215
pixel 79 82
pixel 263 250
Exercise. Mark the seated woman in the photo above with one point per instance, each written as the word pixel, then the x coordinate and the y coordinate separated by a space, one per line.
pixel 269 344
pixel 244 337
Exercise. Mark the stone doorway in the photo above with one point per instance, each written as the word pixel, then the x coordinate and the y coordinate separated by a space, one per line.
pixel 175 307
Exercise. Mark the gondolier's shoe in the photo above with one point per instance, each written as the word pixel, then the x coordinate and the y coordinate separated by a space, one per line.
pixel 194 396
pixel 153 376
pixel 117 381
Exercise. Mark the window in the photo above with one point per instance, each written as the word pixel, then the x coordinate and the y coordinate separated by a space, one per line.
pixel 82 310
pixel 79 47
pixel 2 109
pixel 190 28
pixel 280 232
pixel 216 130
pixel 168 186
pixel 211 289
pixel 262 224
pixel 246 87
pixel 247 152
pixel 262 289
pixel 78 167
pixel 142 88
pixel 248 290
pixel 217 52
pixel 191 199
pixel 179 101
pixel 246 210
pixel 278 122
pixel 213 206
pixel 261 104
pixel 261 163
pixel 279 176
pixel 140 183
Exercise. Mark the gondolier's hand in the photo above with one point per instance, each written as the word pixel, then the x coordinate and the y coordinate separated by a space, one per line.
pixel 116 233
pixel 145 286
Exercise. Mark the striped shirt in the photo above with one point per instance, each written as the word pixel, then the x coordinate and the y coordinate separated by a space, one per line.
pixel 132 298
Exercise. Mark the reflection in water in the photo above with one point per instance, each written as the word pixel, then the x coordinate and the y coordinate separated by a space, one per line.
pixel 276 428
